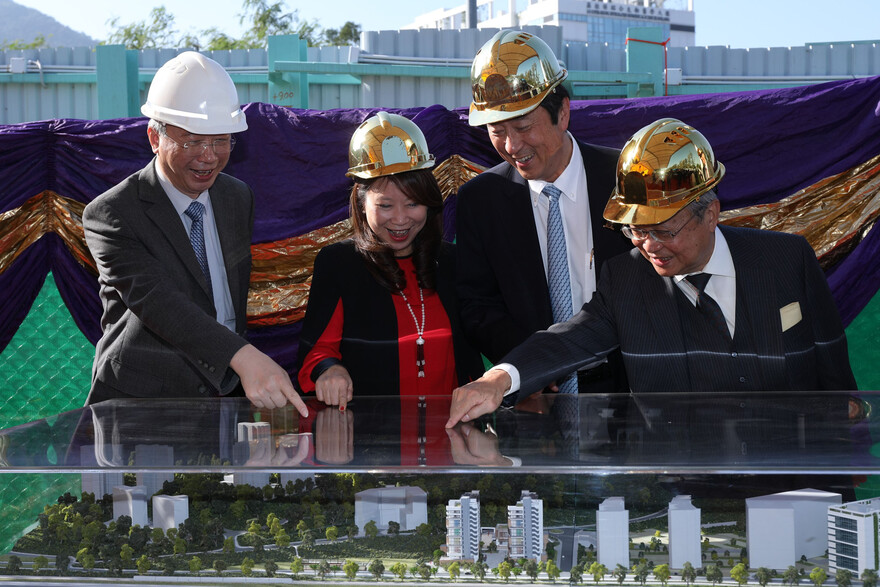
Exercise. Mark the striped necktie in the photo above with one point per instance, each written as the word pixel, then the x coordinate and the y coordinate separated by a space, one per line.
pixel 558 280
pixel 196 212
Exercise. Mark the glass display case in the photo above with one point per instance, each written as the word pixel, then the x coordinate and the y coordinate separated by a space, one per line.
pixel 764 480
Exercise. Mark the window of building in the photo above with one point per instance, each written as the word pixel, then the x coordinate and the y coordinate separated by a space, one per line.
pixel 844 536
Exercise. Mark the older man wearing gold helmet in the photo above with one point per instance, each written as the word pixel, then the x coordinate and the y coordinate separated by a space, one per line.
pixel 694 306
pixel 529 231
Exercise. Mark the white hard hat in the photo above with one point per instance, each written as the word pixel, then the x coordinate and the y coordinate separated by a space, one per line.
pixel 195 93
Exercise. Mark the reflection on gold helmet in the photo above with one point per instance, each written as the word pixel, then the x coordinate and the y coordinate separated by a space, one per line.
pixel 386 144
pixel 664 167
pixel 510 76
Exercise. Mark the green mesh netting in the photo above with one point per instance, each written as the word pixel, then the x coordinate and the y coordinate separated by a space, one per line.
pixel 46 369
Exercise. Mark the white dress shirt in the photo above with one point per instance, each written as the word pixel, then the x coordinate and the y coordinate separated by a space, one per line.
pixel 216 265
pixel 574 206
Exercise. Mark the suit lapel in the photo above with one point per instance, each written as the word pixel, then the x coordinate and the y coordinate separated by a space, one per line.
pixel 523 245
pixel 161 212
pixel 224 216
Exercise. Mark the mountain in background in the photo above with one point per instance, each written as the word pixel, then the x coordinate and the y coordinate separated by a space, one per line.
pixel 20 23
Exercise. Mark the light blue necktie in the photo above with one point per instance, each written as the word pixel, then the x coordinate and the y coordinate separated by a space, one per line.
pixel 196 212
pixel 558 279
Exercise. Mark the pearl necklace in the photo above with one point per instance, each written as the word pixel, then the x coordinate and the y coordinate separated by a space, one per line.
pixel 420 330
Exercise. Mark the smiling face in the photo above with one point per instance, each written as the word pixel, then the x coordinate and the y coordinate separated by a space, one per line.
pixel 393 217
pixel 536 147
pixel 191 171
pixel 691 248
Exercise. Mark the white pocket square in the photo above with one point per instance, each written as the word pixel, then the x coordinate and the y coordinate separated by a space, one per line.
pixel 790 315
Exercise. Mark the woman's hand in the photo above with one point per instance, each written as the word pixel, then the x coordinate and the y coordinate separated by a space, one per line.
pixel 334 387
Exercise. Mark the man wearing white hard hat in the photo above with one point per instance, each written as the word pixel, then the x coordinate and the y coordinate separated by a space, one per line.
pixel 172 246
pixel 529 231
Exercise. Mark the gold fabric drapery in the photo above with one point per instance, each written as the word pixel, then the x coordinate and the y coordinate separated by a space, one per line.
pixel 833 215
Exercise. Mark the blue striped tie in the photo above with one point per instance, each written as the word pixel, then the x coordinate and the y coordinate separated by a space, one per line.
pixel 558 279
pixel 196 212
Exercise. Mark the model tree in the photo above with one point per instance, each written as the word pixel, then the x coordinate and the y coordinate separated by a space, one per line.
pixel 641 572
pixel 297 567
pixel 763 576
pixel 869 578
pixel 791 576
pixel 370 529
pixel 598 571
pixel 740 574
pixel 552 571
pixel 619 573
pixel 393 528
pixel 688 573
pixel 818 576
pixel 454 570
pixel 376 568
pixel 399 569
pixel 714 574
pixel 247 567
pixel 843 578
pixel 350 568
pixel 662 574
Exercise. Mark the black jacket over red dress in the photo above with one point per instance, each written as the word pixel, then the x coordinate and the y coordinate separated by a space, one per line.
pixel 353 321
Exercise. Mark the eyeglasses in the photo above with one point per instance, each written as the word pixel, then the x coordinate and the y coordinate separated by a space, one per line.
pixel 659 236
pixel 219 146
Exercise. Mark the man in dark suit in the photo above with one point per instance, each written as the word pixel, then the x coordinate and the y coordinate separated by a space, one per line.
pixel 172 247
pixel 695 306
pixel 504 243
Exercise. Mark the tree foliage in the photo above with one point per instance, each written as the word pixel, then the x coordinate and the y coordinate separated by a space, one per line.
pixel 262 19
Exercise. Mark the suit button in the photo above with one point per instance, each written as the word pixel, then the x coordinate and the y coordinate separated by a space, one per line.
pixel 211 369
pixel 733 355
pixel 742 379
pixel 203 389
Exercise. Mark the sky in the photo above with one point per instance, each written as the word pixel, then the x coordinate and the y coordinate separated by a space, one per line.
pixel 737 23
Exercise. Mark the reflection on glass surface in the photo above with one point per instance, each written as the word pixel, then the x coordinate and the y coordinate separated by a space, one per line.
pixel 726 433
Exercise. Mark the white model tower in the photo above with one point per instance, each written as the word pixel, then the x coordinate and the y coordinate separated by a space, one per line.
pixel 684 533
pixel 612 533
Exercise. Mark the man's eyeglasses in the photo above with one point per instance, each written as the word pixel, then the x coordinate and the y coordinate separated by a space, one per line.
pixel 219 146
pixel 658 236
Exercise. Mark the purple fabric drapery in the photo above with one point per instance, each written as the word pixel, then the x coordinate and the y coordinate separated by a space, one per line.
pixel 773 143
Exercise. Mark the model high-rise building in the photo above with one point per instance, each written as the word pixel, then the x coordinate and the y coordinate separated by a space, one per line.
pixel 684 533
pixel 525 522
pixel 612 533
pixel 852 536
pixel 782 527
pixel 463 527
pixel 153 455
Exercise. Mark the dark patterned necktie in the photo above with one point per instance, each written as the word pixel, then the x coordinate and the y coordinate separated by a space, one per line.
pixel 706 304
pixel 196 212
pixel 558 280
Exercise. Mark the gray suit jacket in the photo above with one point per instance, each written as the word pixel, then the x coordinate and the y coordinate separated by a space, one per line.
pixel 636 309
pixel 160 333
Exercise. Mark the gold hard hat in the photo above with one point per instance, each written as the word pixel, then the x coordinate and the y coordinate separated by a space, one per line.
pixel 386 144
pixel 664 167
pixel 510 76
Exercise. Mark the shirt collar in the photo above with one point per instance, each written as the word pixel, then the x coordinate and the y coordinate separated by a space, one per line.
pixel 179 200
pixel 720 263
pixel 567 181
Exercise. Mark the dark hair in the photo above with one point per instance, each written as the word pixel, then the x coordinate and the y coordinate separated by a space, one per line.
pixel 552 102
pixel 421 187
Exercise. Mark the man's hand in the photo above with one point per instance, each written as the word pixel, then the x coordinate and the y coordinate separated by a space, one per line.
pixel 478 397
pixel 334 387
pixel 265 383
pixel 473 447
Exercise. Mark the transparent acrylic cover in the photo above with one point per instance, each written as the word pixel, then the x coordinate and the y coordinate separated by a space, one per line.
pixel 719 433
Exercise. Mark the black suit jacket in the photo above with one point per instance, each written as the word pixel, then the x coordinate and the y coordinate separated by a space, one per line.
pixel 161 337
pixel 502 287
pixel 636 309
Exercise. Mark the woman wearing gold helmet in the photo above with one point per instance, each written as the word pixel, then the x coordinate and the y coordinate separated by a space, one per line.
pixel 382 316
